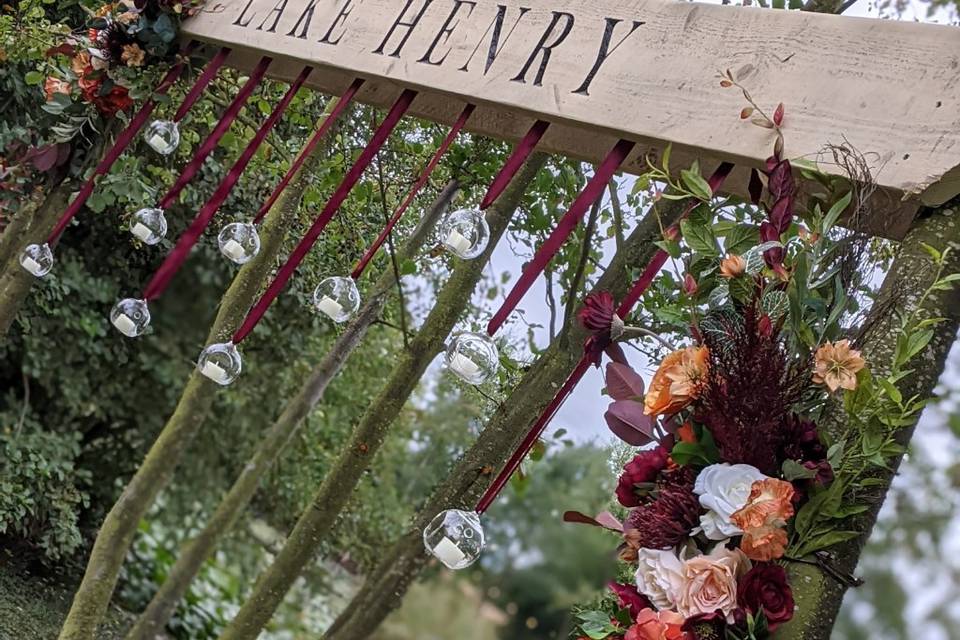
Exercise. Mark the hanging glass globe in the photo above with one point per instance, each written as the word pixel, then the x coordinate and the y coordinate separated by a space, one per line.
pixel 220 362
pixel 473 357
pixel 37 259
pixel 455 538
pixel 163 136
pixel 149 224
pixel 130 316
pixel 465 233
pixel 239 241
pixel 337 298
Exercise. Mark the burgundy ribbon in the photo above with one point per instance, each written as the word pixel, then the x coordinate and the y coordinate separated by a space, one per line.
pixel 514 162
pixel 341 105
pixel 626 306
pixel 233 110
pixel 597 184
pixel 343 190
pixel 120 144
pixel 420 183
pixel 206 76
pixel 189 238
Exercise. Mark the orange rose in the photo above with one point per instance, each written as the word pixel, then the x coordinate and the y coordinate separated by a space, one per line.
pixel 733 266
pixel 677 382
pixel 763 517
pixel 654 625
pixel 54 86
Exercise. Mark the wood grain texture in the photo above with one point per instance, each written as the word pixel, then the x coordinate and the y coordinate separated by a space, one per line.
pixel 890 89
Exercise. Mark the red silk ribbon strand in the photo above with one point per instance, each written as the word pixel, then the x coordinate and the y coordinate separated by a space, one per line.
pixel 420 183
pixel 231 113
pixel 119 146
pixel 206 77
pixel 595 187
pixel 189 238
pixel 343 190
pixel 514 162
pixel 308 148
pixel 626 306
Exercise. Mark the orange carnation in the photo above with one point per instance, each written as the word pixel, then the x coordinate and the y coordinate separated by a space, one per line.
pixel 763 517
pixel 677 382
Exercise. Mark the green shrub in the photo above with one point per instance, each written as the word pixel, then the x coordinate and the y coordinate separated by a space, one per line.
pixel 42 492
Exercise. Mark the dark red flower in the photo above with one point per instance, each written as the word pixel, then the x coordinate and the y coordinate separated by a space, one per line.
pixel 644 468
pixel 706 626
pixel 630 598
pixel 764 588
pixel 823 471
pixel 599 316
pixel 668 519
pixel 801 441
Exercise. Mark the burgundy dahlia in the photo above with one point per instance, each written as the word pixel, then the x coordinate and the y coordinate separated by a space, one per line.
pixel 599 316
pixel 801 441
pixel 644 468
pixel 706 626
pixel 764 588
pixel 630 598
pixel 667 520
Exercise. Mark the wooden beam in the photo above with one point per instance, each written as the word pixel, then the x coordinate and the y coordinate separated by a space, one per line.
pixel 645 70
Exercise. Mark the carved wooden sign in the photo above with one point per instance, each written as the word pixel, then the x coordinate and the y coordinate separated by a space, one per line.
pixel 645 70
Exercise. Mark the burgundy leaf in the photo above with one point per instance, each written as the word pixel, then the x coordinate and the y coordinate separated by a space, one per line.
pixel 623 383
pixel 756 186
pixel 43 158
pixel 778 115
pixel 628 422
pixel 604 520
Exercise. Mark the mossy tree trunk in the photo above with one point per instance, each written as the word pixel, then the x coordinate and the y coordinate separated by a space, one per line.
pixel 330 499
pixel 818 595
pixel 120 525
pixel 385 587
pixel 196 550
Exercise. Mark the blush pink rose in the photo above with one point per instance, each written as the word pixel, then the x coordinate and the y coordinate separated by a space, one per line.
pixel 710 582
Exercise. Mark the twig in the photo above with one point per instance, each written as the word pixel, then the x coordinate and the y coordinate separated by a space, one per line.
pixel 551 304
pixel 629 333
pixel 576 281
pixel 392 252
pixel 617 213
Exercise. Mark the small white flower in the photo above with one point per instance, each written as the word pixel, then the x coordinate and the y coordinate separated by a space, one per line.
pixel 660 577
pixel 724 489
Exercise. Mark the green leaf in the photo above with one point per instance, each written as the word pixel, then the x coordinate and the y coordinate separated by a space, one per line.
pixel 835 211
pixel 891 390
pixel 33 78
pixel 408 267
pixel 775 304
pixel 699 238
pixel 825 540
pixel 793 470
pixel 696 183
pixel 741 238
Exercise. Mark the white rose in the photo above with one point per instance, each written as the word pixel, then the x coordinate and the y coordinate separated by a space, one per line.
pixel 660 577
pixel 724 489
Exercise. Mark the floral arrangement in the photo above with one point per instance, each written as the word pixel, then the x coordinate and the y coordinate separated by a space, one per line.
pixel 735 476
pixel 103 65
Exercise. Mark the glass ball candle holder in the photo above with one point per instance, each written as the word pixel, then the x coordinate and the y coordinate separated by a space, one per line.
pixel 465 233
pixel 163 136
pixel 239 241
pixel 473 357
pixel 220 362
pixel 455 538
pixel 149 225
pixel 130 316
pixel 337 298
pixel 37 259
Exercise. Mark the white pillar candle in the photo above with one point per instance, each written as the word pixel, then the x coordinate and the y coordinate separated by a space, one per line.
pixel 32 266
pixel 464 365
pixel 125 325
pixel 449 553
pixel 457 242
pixel 214 372
pixel 142 231
pixel 234 249
pixel 331 307
pixel 158 143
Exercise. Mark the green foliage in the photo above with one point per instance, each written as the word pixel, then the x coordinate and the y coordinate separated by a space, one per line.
pixel 42 492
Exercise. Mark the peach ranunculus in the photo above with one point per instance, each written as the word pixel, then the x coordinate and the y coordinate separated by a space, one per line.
pixel 733 266
pixel 54 86
pixel 836 365
pixel 80 62
pixel 132 55
pixel 763 519
pixel 657 625
pixel 677 382
pixel 710 582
